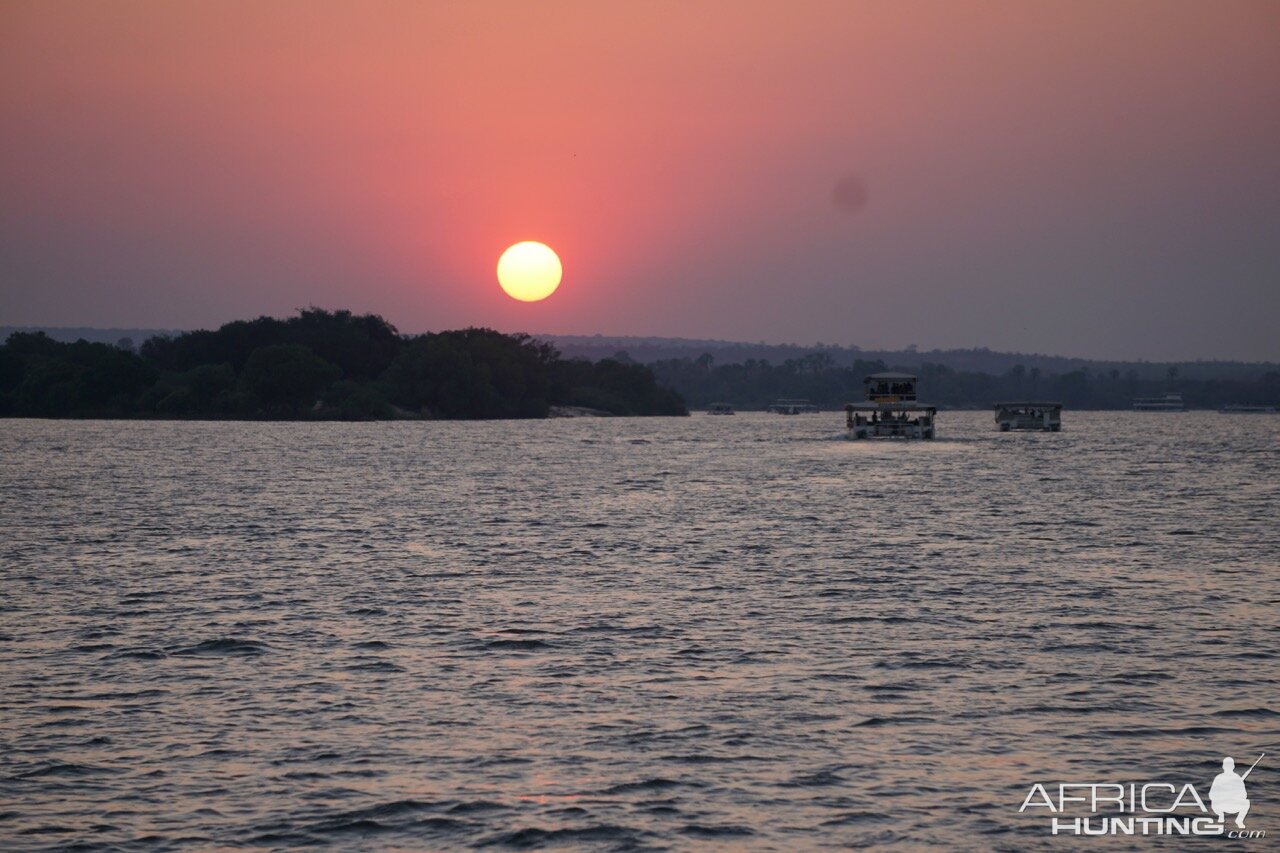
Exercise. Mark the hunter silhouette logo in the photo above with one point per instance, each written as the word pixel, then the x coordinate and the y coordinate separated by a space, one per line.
pixel 1151 808
pixel 1227 795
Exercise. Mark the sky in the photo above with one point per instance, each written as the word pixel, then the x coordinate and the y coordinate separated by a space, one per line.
pixel 1086 178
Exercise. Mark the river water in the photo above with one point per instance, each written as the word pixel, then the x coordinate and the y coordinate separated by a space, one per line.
pixel 721 633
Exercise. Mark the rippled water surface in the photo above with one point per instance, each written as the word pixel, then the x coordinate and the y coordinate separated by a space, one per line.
pixel 713 633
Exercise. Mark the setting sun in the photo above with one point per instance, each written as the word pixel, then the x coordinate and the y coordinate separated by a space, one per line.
pixel 529 271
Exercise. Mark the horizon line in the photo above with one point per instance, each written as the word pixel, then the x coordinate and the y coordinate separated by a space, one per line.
pixel 694 342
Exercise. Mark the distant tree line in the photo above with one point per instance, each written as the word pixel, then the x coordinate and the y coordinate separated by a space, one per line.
pixel 754 383
pixel 317 365
pixel 910 359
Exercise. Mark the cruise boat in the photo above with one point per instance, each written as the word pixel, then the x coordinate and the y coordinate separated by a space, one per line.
pixel 1167 403
pixel 792 407
pixel 1248 409
pixel 1038 416
pixel 890 409
pixel 720 409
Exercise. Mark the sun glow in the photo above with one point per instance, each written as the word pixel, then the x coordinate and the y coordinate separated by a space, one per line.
pixel 529 271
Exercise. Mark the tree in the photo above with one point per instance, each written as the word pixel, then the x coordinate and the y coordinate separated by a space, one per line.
pixel 286 379
pixel 352 401
pixel 473 373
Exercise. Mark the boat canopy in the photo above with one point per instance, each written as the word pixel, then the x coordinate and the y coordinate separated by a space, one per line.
pixel 890 388
pixel 890 407
pixel 1030 405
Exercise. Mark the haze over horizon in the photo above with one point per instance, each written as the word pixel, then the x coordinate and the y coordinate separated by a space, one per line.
pixel 1098 181
pixel 576 340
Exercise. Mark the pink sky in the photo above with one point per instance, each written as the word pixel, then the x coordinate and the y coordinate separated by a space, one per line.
pixel 1086 178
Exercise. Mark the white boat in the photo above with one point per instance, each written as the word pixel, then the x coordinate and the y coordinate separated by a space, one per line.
pixel 1038 416
pixel 720 409
pixel 1248 409
pixel 890 410
pixel 792 407
pixel 1166 403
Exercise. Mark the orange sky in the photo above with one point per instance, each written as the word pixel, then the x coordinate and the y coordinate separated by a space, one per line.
pixel 1093 178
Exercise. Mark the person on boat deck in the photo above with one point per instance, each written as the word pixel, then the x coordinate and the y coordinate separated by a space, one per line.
pixel 1227 793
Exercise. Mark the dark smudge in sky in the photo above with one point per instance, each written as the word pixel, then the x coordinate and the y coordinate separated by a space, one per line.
pixel 850 194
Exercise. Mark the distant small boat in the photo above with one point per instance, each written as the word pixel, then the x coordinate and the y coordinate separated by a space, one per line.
pixel 1248 409
pixel 1041 416
pixel 720 409
pixel 1167 403
pixel 793 407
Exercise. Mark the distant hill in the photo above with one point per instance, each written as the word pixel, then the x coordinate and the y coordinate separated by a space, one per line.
pixel 648 350
pixel 71 334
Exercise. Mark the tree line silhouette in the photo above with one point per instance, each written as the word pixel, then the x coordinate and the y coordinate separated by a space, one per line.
pixel 752 384
pixel 337 365
pixel 317 365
